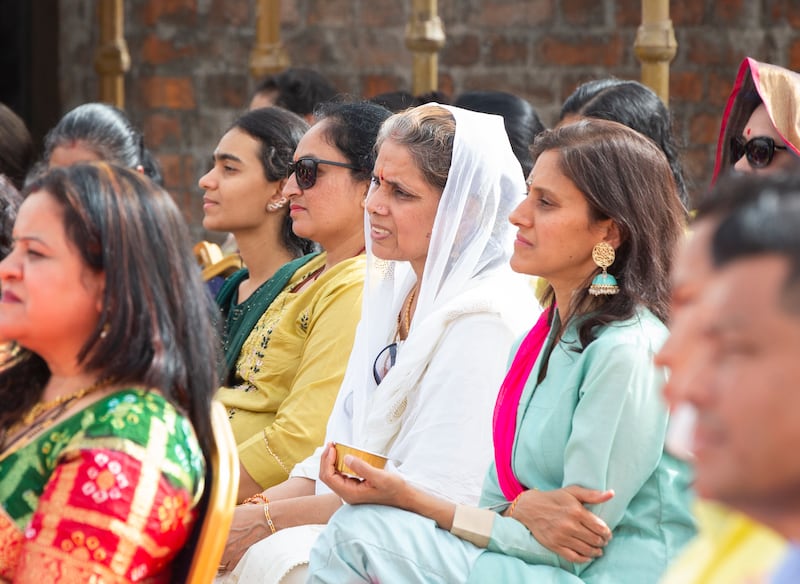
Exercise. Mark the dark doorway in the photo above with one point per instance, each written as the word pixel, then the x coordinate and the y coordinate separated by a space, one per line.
pixel 29 62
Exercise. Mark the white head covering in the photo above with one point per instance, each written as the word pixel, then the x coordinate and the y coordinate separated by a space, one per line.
pixel 466 271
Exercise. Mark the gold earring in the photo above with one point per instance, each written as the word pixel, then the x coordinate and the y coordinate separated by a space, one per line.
pixel 603 284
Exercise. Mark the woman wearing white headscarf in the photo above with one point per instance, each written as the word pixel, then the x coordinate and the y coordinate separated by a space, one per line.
pixel 441 311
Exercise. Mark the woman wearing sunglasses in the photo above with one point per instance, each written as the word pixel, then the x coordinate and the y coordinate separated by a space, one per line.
pixel 761 126
pixel 290 331
pixel 441 309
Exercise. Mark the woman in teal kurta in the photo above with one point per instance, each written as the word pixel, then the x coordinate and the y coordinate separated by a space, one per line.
pixel 586 411
pixel 596 420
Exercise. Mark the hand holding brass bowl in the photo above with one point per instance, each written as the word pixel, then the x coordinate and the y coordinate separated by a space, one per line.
pixel 342 450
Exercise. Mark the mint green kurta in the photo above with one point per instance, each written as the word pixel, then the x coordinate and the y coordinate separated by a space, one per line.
pixel 598 420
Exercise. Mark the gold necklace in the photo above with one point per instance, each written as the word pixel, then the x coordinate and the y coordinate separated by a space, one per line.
pixel 37 416
pixel 405 322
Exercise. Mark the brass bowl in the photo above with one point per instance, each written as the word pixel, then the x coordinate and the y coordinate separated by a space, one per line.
pixel 342 450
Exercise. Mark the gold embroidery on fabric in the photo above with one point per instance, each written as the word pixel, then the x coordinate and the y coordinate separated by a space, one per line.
pixel 398 410
pixel 84 548
pixel 45 564
pixel 253 352
pixel 275 456
pixel 56 505
pixel 172 513
pixel 103 522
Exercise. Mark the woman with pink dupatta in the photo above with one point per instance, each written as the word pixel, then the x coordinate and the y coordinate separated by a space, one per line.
pixel 579 409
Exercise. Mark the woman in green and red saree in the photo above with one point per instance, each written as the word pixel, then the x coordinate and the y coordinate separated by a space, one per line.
pixel 105 423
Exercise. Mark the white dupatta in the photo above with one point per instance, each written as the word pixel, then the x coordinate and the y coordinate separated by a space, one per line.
pixel 466 274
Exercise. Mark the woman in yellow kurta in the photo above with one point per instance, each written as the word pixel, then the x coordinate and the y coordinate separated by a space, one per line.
pixel 290 369
pixel 291 364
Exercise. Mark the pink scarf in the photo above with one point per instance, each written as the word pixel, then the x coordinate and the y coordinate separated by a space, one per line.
pixel 505 409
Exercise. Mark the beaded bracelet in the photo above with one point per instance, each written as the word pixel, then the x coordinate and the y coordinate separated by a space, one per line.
pixel 257 498
pixel 269 519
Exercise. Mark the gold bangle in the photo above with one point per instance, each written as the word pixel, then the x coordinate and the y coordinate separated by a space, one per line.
pixel 257 498
pixel 269 519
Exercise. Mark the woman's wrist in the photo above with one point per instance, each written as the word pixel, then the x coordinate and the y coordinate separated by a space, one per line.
pixel 510 511
pixel 407 498
pixel 430 506
pixel 268 517
pixel 261 499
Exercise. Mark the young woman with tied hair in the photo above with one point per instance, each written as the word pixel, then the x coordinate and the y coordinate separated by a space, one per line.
pixel 579 417
pixel 441 309
pixel 632 104
pixel 105 427
pixel 98 131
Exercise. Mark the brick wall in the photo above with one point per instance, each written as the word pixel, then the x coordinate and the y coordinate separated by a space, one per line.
pixel 189 76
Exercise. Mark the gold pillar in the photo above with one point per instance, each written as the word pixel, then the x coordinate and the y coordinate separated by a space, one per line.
pixel 112 59
pixel 655 46
pixel 268 54
pixel 425 37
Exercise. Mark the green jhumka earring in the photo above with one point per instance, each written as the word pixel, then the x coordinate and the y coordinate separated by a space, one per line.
pixel 603 283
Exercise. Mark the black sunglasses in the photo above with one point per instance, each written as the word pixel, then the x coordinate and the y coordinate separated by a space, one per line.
pixel 305 170
pixel 759 150
pixel 384 362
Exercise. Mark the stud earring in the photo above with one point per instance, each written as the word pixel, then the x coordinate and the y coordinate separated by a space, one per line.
pixel 104 332
pixel 603 284
pixel 275 205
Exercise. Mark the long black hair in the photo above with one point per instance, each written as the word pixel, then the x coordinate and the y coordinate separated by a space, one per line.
pixel 155 329
pixel 520 117
pixel 634 105
pixel 624 177
pixel 352 128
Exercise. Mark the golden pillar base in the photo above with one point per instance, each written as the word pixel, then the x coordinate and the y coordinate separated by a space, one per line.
pixel 655 46
pixel 267 59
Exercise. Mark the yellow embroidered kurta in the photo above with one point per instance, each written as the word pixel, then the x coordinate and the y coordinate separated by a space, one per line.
pixel 291 367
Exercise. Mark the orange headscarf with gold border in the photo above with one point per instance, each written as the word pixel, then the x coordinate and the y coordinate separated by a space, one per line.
pixel 779 90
